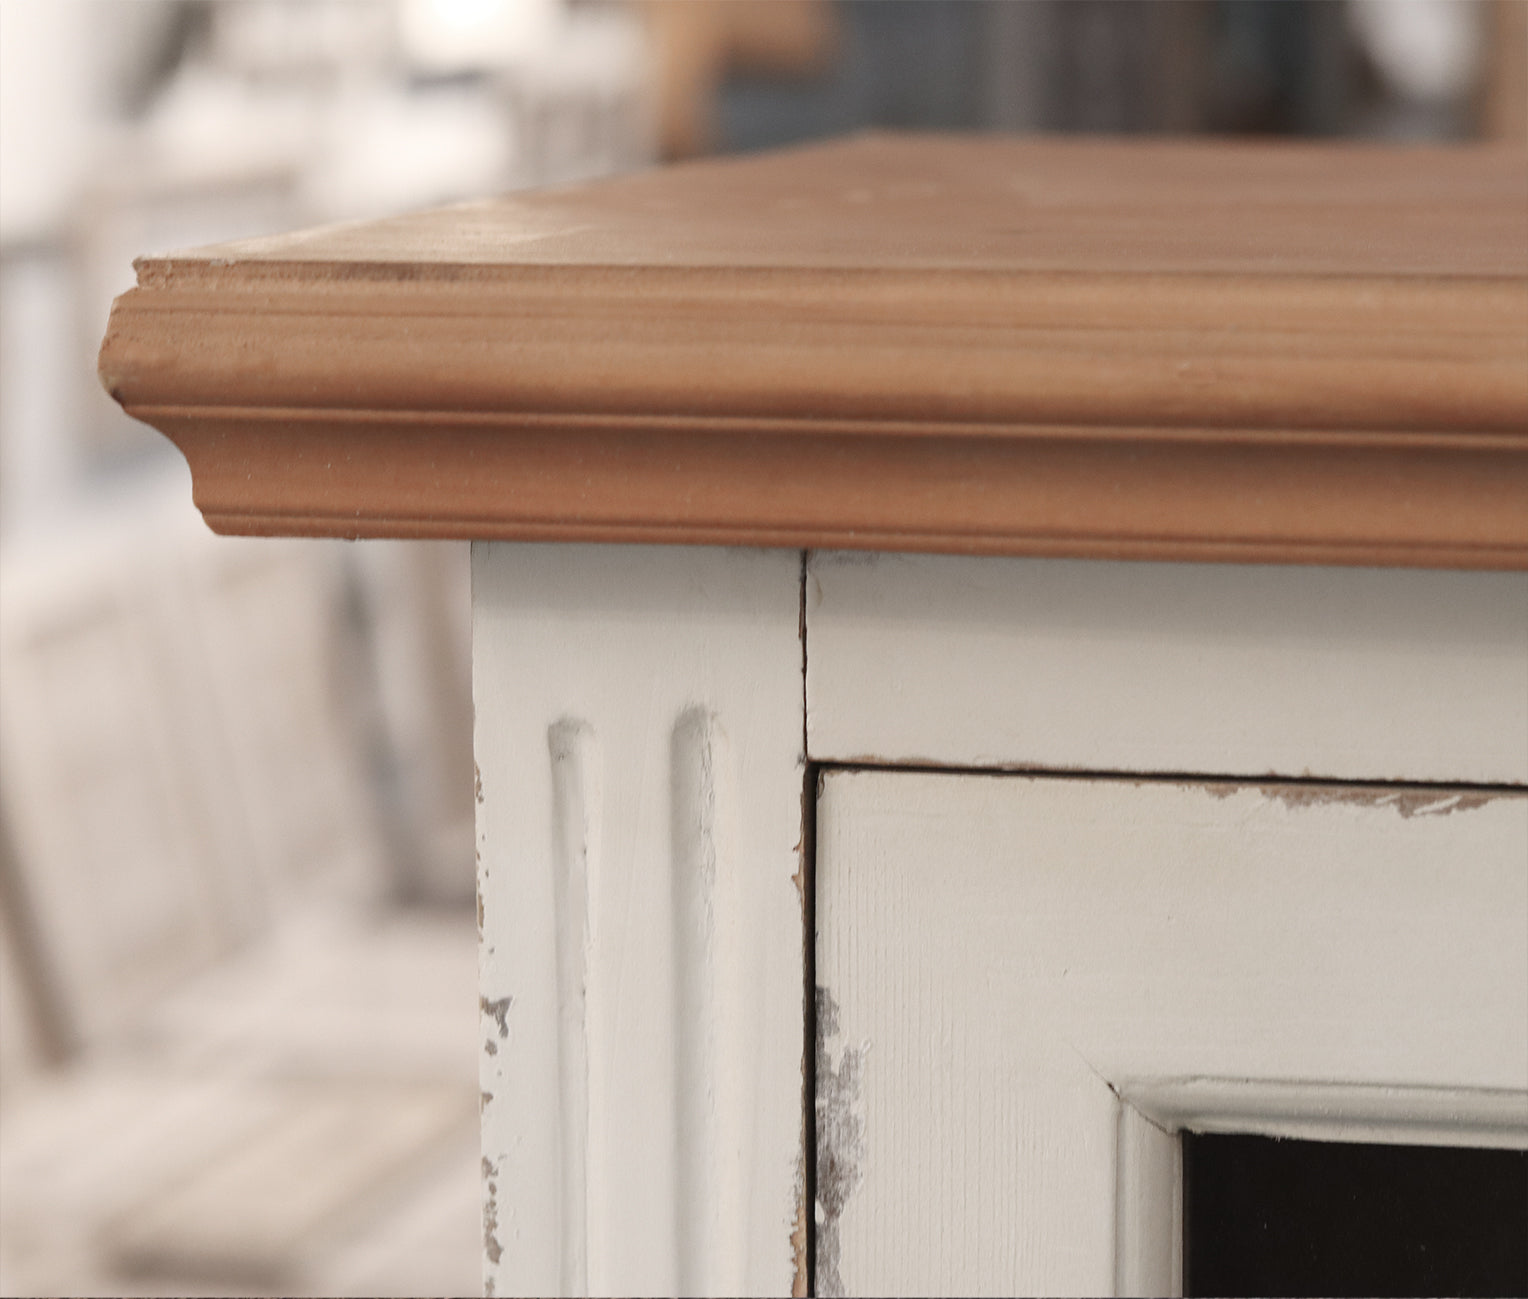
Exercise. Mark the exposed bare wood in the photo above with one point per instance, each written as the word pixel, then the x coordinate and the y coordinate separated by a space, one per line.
pixel 1271 352
pixel 1504 92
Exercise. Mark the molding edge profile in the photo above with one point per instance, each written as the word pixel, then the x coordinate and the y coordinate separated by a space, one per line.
pixel 1315 1111
pixel 1441 502
pixel 1284 354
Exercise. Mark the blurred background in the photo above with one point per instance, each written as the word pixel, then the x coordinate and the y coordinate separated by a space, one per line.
pixel 238 1021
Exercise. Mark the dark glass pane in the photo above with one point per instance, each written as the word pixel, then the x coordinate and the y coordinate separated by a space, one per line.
pixel 1270 1217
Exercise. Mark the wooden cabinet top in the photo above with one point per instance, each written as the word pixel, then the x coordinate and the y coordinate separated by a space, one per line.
pixel 1277 352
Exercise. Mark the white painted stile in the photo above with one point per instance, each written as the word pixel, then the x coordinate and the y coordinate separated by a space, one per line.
pixel 639 744
pixel 1230 669
pixel 1041 979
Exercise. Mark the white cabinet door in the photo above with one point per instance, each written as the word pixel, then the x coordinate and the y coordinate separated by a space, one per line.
pixel 1028 985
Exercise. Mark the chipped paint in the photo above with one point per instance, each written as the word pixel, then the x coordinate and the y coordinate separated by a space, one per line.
pixel 806 851
pixel 498 1011
pixel 801 1281
pixel 491 1247
pixel 477 783
pixel 675 1135
pixel 805 846
pixel 1408 802
pixel 840 1139
pixel 1293 791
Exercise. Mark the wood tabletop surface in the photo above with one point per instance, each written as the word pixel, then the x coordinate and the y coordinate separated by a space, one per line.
pixel 1201 350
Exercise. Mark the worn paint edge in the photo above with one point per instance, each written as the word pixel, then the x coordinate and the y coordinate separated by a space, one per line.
pixel 1408 796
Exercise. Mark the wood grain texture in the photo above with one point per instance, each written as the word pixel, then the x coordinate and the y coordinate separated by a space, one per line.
pixel 1305 353
pixel 1347 674
pixel 1103 955
pixel 638 738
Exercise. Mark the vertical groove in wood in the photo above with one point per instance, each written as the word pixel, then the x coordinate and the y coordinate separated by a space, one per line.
pixel 711 965
pixel 576 803
pixel 693 811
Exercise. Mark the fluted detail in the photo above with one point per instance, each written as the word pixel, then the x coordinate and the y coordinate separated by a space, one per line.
pixel 576 800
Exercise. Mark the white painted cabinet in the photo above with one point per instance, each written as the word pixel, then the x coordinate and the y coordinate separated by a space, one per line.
pixel 1090 852
pixel 1263 361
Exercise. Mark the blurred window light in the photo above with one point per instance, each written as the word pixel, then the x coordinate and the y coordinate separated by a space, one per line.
pixel 46 111
pixel 444 37
pixel 286 39
pixel 389 151
pixel 1424 49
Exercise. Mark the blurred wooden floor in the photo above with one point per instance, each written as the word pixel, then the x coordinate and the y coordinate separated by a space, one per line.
pixel 302 1120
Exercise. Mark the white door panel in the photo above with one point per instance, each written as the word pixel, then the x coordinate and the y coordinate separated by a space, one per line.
pixel 1027 982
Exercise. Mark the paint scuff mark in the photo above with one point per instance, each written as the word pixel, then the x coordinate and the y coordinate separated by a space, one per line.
pixel 1407 802
pixel 840 1138
pixel 477 783
pixel 498 1011
pixel 491 1246
pixel 490 1047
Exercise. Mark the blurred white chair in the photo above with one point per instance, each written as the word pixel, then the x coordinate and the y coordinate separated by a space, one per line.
pixel 179 766
pixel 278 1073
pixel 116 856
pixel 416 605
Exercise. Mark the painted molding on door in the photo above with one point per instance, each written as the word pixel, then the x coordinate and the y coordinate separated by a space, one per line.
pixel 642 937
pixel 1323 1111
pixel 1148 1206
pixel 1153 1114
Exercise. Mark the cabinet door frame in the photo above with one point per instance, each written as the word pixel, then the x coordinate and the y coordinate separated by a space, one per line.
pixel 1405 683
pixel 1029 985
